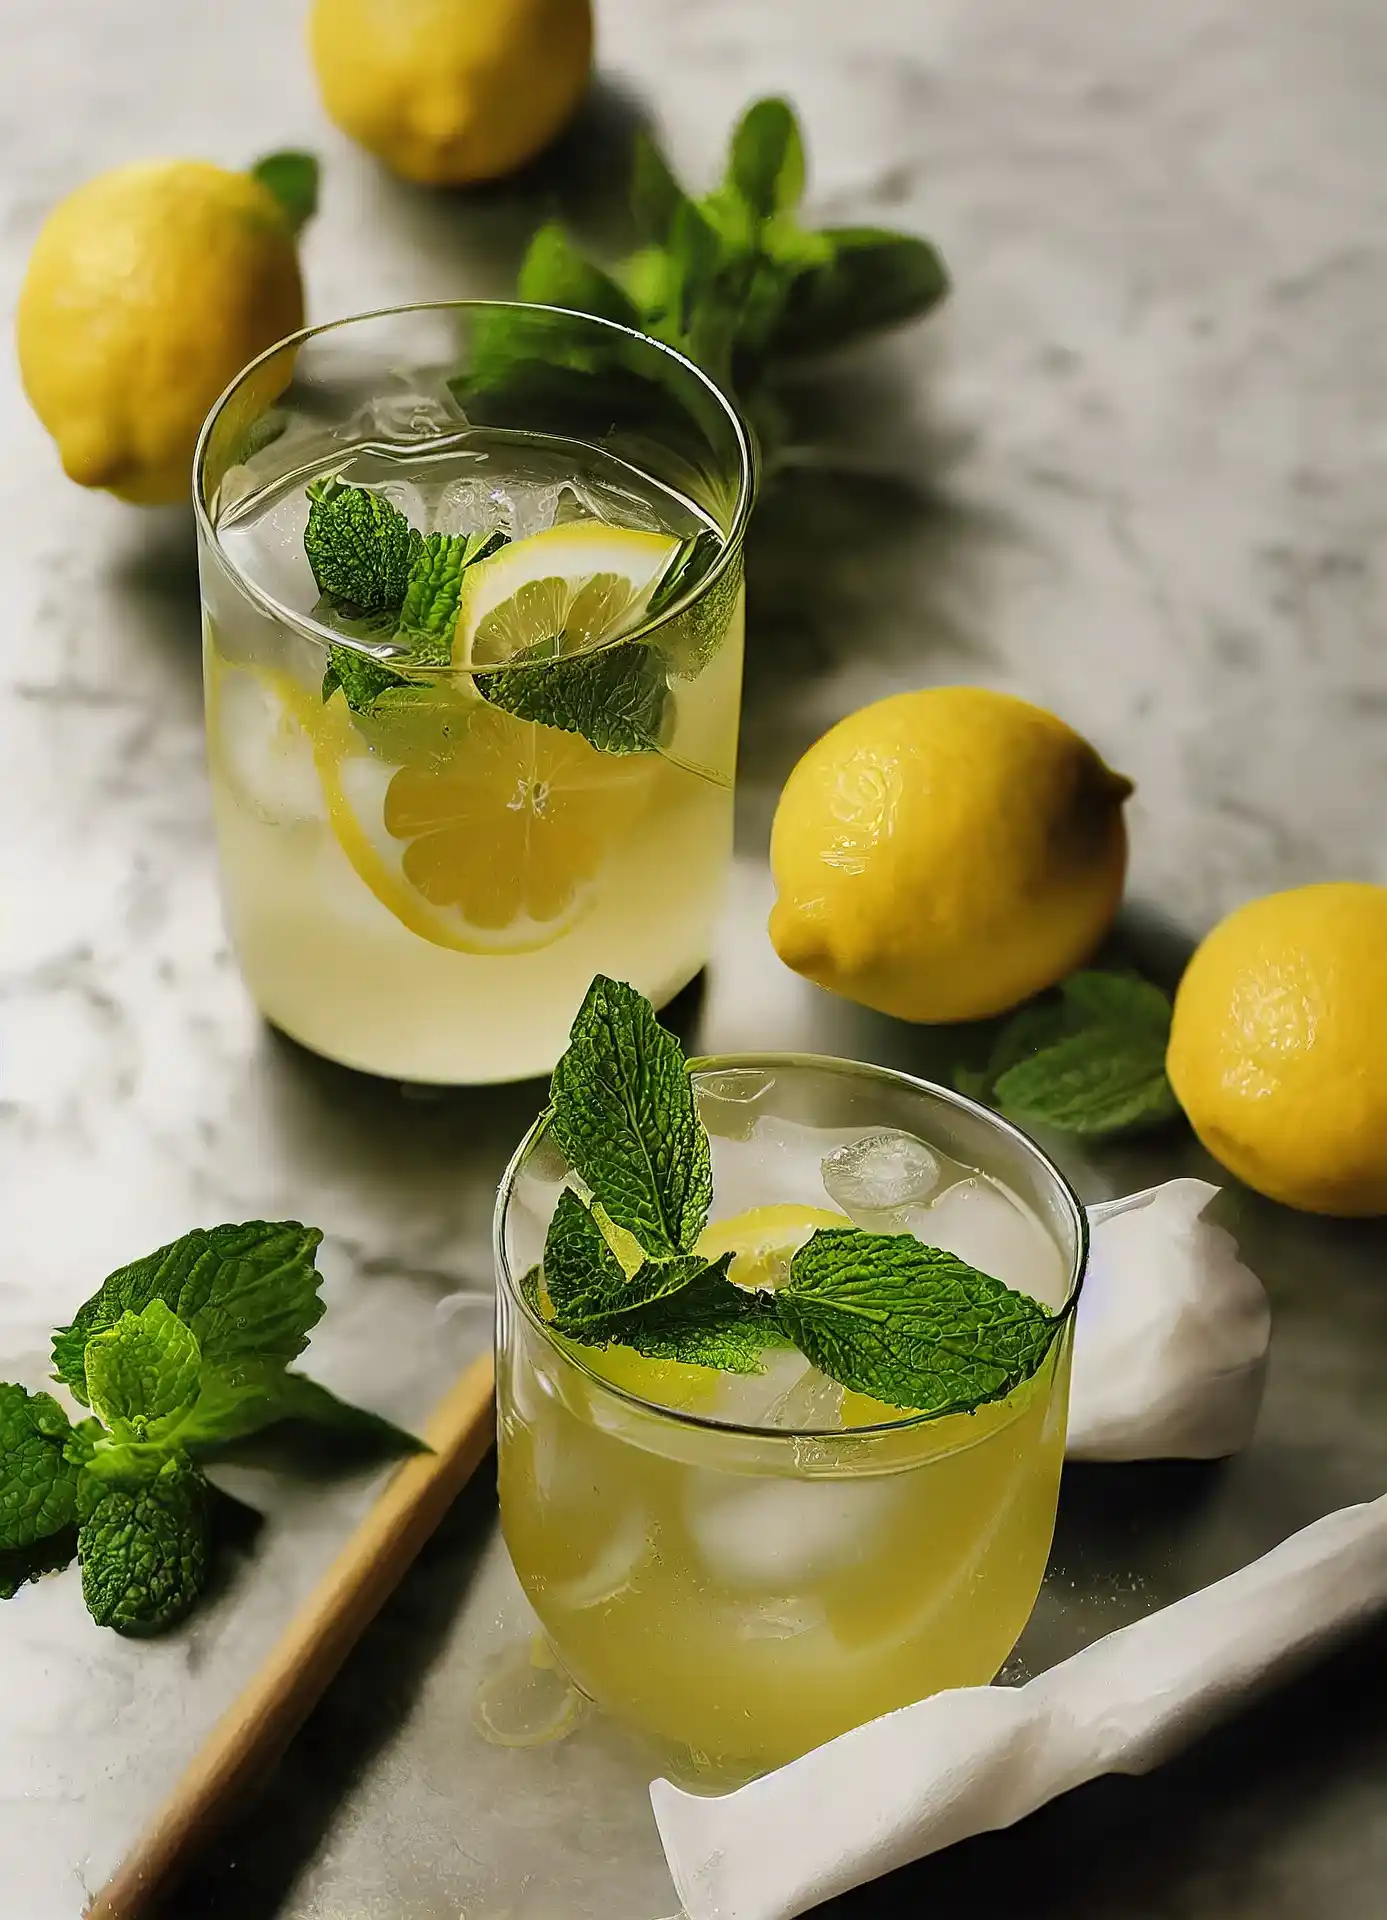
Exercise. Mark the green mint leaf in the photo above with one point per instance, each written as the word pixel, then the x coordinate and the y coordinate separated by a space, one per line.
pixel 143 1547
pixel 1024 1033
pixel 652 279
pixel 766 163
pixel 614 696
pixel 696 251
pixel 1106 999
pixel 681 1308
pixel 292 177
pixel 624 1115
pixel 38 1484
pixel 430 610
pixel 246 1292
pixel 1105 1080
pixel 656 196
pixel 908 1324
pixel 361 680
pixel 359 545
pixel 144 1372
pixel 238 1401
pixel 875 279
pixel 554 274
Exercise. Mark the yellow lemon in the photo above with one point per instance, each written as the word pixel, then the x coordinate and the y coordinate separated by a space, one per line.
pixel 1278 1047
pixel 147 291
pixel 764 1240
pixel 447 92
pixel 944 855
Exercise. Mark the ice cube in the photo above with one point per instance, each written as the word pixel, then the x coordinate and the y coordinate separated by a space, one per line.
pixel 263 751
pixel 777 1536
pixel 748 1399
pixel 812 1403
pixel 479 504
pixel 875 1177
pixel 725 1100
pixel 781 1168
pixel 983 1225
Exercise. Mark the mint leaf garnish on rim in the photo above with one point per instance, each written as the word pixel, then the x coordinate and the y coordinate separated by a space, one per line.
pixel 623 1113
pixel 909 1324
pixel 1090 1061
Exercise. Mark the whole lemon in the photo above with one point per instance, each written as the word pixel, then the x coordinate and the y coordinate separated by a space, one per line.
pixel 147 291
pixel 1278 1047
pixel 447 92
pixel 944 855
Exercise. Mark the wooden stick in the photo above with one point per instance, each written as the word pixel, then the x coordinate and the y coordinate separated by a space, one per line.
pixel 257 1728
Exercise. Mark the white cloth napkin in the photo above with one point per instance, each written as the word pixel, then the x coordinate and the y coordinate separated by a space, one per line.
pixel 980 1758
pixel 1170 1342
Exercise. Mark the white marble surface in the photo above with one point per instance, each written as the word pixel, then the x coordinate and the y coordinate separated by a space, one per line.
pixel 1137 470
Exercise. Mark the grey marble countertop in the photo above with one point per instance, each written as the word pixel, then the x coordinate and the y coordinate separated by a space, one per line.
pixel 1137 470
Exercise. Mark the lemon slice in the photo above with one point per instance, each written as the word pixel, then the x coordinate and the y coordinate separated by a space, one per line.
pixel 764 1240
pixel 497 847
pixel 564 590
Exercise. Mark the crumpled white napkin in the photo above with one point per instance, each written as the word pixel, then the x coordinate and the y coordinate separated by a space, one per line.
pixel 979 1758
pixel 1170 1342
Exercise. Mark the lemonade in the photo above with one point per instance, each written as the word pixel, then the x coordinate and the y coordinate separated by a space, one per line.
pixel 745 1565
pixel 472 685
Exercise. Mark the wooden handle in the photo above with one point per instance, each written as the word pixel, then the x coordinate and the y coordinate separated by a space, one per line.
pixel 254 1731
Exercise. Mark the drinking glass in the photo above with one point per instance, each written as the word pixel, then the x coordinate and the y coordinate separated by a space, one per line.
pixel 743 1577
pixel 421 882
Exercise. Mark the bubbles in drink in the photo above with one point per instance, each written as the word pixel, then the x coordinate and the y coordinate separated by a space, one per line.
pixel 873 1178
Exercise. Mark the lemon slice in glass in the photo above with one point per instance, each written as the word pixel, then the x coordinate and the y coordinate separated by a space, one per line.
pixel 479 830
pixel 564 591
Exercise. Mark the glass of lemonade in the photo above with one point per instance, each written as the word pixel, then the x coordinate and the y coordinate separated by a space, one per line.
pixel 453 778
pixel 746 1566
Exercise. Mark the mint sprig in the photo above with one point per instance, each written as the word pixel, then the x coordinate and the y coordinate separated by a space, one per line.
pixel 882 1314
pixel 731 278
pixel 180 1356
pixel 1090 1061
pixel 433 590
pixel 360 546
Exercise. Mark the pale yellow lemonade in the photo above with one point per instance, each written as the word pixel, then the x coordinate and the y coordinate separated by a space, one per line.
pixel 746 1567
pixel 424 889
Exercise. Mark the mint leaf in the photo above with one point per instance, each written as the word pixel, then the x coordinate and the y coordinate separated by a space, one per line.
pixel 143 1546
pixel 144 1372
pixel 1033 1027
pixel 682 1308
pixel 1092 998
pixel 362 680
pixel 246 1292
pixel 238 1401
pixel 623 1114
pixel 430 610
pixel 359 545
pixel 908 1324
pixel 1102 1081
pixel 292 177
pixel 38 1484
pixel 615 696
pixel 656 196
pixel 875 279
pixel 554 274
pixel 766 165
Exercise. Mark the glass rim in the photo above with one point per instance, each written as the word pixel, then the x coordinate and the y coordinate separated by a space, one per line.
pixel 869 1070
pixel 748 471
